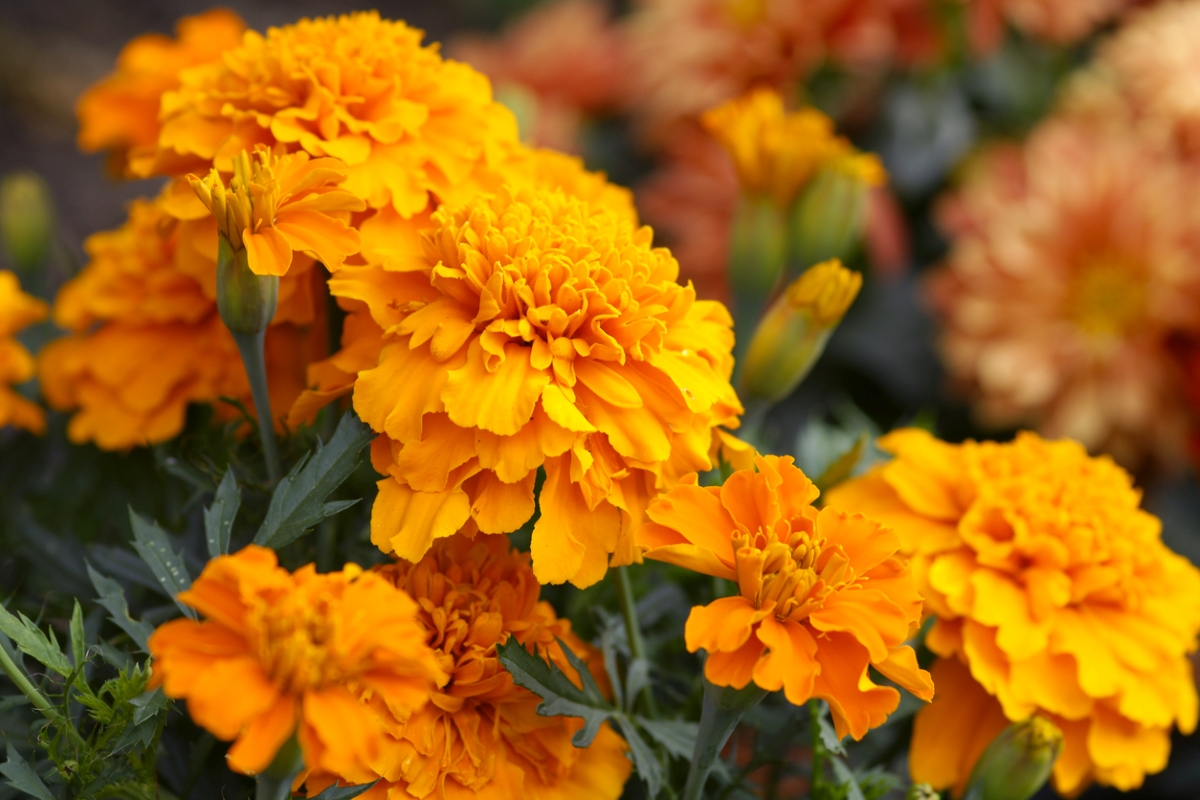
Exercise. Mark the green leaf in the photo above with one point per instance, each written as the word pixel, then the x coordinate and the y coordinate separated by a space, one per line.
pixel 336 792
pixel 154 547
pixel 299 501
pixel 148 705
pixel 22 777
pixel 644 759
pixel 843 466
pixel 677 736
pixel 30 640
pixel 112 597
pixel 219 517
pixel 78 640
pixel 829 737
pixel 559 696
pixel 847 779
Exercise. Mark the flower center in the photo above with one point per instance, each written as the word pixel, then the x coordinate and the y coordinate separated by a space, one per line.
pixel 294 648
pixel 1107 297
pixel 792 571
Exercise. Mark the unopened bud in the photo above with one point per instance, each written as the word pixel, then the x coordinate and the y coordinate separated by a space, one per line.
pixel 1017 763
pixel 26 218
pixel 922 791
pixel 830 216
pixel 757 252
pixel 794 331
pixel 246 301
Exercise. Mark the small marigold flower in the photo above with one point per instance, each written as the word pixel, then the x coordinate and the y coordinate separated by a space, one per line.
pixel 1053 594
pixel 279 203
pixel 120 112
pixel 822 595
pixel 536 329
pixel 283 653
pixel 17 311
pixel 481 736
pixel 406 122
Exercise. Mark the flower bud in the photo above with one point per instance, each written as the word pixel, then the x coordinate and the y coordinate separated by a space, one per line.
pixel 1017 762
pixel 26 218
pixel 246 301
pixel 758 249
pixel 922 791
pixel 830 216
pixel 793 333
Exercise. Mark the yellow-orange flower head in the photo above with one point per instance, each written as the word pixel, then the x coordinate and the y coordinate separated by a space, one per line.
pixel 1054 595
pixel 481 737
pixel 17 311
pixel 120 113
pixel 326 657
pixel 822 595
pixel 777 152
pixel 354 87
pixel 279 203
pixel 537 329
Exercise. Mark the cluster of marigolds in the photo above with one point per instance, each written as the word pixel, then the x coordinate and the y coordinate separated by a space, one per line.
pixel 507 316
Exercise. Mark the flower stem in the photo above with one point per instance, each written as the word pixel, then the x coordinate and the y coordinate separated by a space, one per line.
pixel 818 748
pixel 251 346
pixel 724 707
pixel 36 698
pixel 637 645
pixel 275 782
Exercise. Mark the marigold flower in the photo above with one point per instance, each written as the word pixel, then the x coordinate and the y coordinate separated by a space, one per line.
pixel 120 112
pixel 481 736
pixel 1060 22
pixel 321 656
pixel 1053 594
pixel 536 329
pixel 355 87
pixel 1070 269
pixel 279 203
pixel 822 595
pixel 17 311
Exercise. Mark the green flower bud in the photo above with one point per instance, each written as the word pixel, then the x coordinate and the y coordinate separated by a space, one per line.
pixel 757 254
pixel 26 219
pixel 246 301
pixel 829 217
pixel 1017 763
pixel 922 791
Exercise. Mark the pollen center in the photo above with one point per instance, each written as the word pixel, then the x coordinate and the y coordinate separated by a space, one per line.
pixel 1107 297
pixel 789 571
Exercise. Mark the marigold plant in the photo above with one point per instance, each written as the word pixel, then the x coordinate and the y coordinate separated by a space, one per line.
pixel 17 311
pixel 1053 594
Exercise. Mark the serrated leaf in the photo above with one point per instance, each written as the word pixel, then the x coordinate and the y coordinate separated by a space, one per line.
pixel 22 777
pixel 112 597
pixel 219 517
pixel 78 640
pixel 847 779
pixel 113 656
pixel 336 792
pixel 677 736
pixel 608 650
pixel 148 705
pixel 560 697
pixel 644 760
pixel 136 735
pixel 152 544
pixel 829 737
pixel 637 678
pixel 30 640
pixel 299 500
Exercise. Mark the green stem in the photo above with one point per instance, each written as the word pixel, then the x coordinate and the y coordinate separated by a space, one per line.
pixel 637 645
pixel 818 748
pixel 275 782
pixel 724 707
pixel 36 698
pixel 254 358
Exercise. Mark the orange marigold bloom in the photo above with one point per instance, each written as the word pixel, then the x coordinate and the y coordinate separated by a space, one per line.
pixel 279 203
pixel 1072 264
pixel 17 310
pixel 1053 595
pixel 120 113
pixel 323 656
pixel 822 595
pixel 481 736
pixel 536 329
pixel 355 87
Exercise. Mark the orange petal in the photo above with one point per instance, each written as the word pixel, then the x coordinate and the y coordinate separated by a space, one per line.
pixel 723 625
pixel 267 252
pixel 901 667
pixel 790 662
pixel 260 741
pixel 325 238
pixel 734 669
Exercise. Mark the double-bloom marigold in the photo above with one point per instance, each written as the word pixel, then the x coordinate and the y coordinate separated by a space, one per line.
pixel 1053 595
pixel 17 311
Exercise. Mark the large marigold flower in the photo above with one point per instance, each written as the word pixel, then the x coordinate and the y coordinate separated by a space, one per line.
pixel 481 737
pixel 1053 595
pixel 355 87
pixel 536 329
pixel 1072 264
pixel 17 311
pixel 283 653
pixel 120 112
pixel 822 595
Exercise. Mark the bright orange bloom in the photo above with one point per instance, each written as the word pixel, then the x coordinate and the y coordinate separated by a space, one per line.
pixel 536 329
pixel 323 656
pixel 279 203
pixel 481 737
pixel 120 113
pixel 17 310
pixel 355 87
pixel 1053 594
pixel 822 595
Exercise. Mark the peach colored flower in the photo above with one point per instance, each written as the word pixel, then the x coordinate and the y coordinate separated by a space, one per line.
pixel 1059 22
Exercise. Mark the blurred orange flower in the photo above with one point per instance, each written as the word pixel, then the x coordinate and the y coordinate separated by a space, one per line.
pixel 1060 22
pixel 326 657
pixel 481 737
pixel 822 595
pixel 17 311
pixel 120 113
pixel 1053 594
pixel 1073 261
